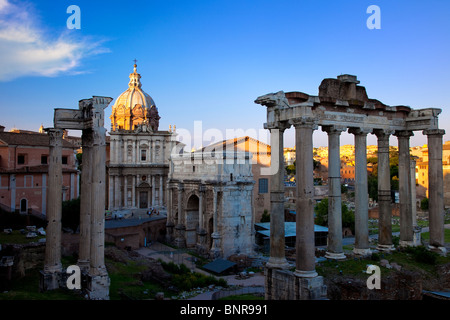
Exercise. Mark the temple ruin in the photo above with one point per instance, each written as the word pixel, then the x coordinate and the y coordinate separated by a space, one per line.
pixel 343 105
pixel 90 119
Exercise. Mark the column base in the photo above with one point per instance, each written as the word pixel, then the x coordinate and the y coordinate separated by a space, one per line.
pixel 277 263
pixel 84 265
pixel 49 280
pixel 305 274
pixel 335 255
pixel 98 287
pixel 312 289
pixel 386 247
pixel 406 243
pixel 362 252
pixel 439 250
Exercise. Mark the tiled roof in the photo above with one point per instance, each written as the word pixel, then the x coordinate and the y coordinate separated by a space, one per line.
pixel 29 139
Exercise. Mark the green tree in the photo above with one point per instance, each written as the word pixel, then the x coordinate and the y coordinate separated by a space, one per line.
pixel 321 218
pixel 265 216
pixel 424 204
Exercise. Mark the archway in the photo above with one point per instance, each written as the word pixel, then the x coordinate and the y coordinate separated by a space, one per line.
pixel 192 218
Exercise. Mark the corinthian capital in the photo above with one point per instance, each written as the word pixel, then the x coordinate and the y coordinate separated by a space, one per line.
pixel 55 136
pixel 309 122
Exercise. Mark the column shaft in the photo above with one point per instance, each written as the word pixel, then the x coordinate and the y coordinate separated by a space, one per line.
pixel 161 197
pixel 436 189
pixel 277 234
pixel 52 262
pixel 97 257
pixel 404 176
pixel 153 190
pixel 361 193
pixel 384 193
pixel 334 249
pixel 85 202
pixel 305 244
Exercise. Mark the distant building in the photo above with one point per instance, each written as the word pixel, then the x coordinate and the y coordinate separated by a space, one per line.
pixel 24 171
pixel 260 166
pixel 422 170
pixel 210 202
pixel 139 152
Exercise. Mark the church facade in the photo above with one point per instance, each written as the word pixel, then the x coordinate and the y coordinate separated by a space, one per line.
pixel 139 151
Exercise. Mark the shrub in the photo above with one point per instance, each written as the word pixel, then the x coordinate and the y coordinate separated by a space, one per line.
pixel 422 254
pixel 424 204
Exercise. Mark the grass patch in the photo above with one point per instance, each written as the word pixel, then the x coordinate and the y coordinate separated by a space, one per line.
pixel 126 283
pixel 27 288
pixel 184 279
pixel 17 237
pixel 426 235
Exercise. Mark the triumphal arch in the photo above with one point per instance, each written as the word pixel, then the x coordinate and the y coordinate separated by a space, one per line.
pixel 342 105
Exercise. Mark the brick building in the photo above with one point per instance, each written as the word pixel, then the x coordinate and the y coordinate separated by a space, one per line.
pixel 24 171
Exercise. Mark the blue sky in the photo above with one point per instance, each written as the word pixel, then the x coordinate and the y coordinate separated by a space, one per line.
pixel 209 60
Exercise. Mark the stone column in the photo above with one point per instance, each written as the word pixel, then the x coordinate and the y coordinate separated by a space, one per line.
pixel 361 192
pixel 86 202
pixel 161 199
pixel 435 189
pixel 384 192
pixel 98 203
pixel 180 240
pixel 98 280
pixel 117 148
pixel 111 192
pixel 201 232
pixel 404 177
pixel 169 222
pixel 153 191
pixel 117 191
pixel 51 274
pixel 277 258
pixel 215 248
pixel 416 229
pixel 305 244
pixel 125 191
pixel 133 193
pixel 334 249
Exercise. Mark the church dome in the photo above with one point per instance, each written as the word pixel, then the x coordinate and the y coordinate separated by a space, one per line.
pixel 134 107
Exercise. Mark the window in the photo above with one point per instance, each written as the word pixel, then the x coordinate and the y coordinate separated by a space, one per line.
pixel 64 160
pixel 44 159
pixel 143 155
pixel 263 185
pixel 23 205
pixel 21 159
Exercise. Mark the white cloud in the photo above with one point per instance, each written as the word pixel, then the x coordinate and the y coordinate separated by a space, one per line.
pixel 26 49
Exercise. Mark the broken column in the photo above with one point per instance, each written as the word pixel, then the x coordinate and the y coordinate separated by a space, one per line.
pixel 435 189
